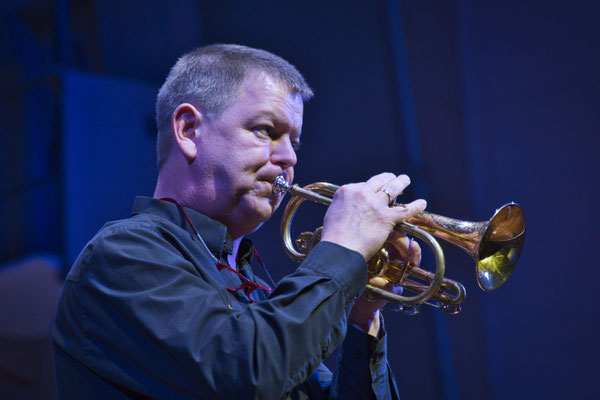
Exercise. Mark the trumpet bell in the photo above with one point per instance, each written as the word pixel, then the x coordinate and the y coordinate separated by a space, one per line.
pixel 500 246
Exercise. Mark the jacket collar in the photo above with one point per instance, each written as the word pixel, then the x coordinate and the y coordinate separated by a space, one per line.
pixel 213 233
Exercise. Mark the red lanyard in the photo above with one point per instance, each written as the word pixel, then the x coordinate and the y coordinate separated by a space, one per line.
pixel 247 285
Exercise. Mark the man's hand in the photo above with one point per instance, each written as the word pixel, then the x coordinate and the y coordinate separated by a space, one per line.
pixel 365 312
pixel 360 218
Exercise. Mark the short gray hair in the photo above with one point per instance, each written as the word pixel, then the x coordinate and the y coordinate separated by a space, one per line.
pixel 210 78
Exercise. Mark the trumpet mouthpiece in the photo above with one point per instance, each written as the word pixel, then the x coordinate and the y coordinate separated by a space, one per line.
pixel 280 185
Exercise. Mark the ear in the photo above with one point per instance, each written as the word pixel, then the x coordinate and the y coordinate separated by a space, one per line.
pixel 186 120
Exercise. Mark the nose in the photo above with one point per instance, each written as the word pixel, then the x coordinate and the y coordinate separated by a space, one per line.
pixel 283 153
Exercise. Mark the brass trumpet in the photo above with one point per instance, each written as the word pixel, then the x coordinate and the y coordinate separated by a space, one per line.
pixel 495 245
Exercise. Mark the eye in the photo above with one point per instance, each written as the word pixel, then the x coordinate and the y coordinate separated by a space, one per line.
pixel 263 131
pixel 296 146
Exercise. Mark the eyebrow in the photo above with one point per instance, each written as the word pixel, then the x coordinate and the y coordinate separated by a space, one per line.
pixel 273 117
pixel 270 115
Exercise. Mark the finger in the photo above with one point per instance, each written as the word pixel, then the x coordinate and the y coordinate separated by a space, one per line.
pixel 397 245
pixel 378 181
pixel 414 253
pixel 403 247
pixel 384 284
pixel 402 212
pixel 396 186
pixel 397 236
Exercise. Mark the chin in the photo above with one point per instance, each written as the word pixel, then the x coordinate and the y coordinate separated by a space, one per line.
pixel 250 221
pixel 259 209
pixel 266 212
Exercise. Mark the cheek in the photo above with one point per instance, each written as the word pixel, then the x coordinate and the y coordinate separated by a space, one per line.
pixel 251 157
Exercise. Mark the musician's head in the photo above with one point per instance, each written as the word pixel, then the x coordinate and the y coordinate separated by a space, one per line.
pixel 210 78
pixel 229 119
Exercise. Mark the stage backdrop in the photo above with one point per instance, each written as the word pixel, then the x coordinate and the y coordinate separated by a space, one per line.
pixel 108 152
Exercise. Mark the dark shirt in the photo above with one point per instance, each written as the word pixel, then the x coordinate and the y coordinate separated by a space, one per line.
pixel 145 313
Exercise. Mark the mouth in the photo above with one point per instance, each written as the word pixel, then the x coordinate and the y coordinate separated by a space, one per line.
pixel 270 180
pixel 264 188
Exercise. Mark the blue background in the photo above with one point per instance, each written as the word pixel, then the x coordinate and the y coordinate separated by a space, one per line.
pixel 481 103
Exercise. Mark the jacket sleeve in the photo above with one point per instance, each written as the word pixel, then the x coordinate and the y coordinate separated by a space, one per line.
pixel 139 314
pixel 363 371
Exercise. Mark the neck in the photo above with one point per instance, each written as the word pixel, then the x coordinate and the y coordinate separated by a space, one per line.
pixel 166 188
pixel 231 258
pixel 180 187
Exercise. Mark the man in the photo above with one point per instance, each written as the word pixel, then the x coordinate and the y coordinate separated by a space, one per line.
pixel 165 305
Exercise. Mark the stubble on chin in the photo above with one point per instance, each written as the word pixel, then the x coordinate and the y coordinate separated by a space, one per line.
pixel 251 212
pixel 263 205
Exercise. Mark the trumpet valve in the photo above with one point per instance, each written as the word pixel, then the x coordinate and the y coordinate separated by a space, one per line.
pixel 395 270
pixel 378 262
pixel 307 240
pixel 303 242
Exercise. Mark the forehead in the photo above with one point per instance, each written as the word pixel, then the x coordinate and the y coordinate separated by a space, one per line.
pixel 260 93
